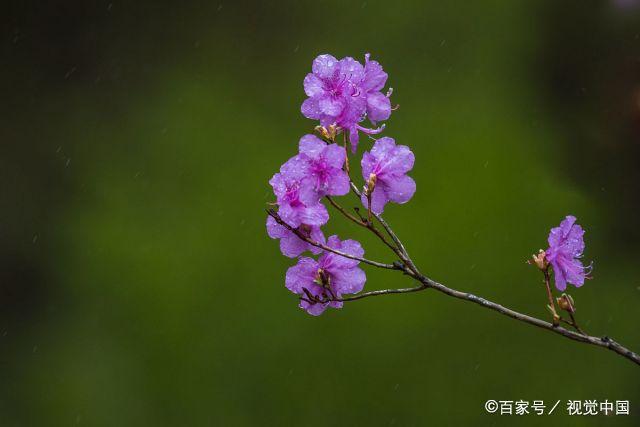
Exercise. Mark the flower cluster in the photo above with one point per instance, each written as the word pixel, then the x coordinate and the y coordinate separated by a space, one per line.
pixel 342 94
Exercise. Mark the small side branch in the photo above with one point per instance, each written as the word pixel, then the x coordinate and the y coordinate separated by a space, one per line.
pixel 322 246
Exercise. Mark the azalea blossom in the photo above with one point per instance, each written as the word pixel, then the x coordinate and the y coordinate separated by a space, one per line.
pixel 343 92
pixel 288 188
pixel 330 277
pixel 384 169
pixel 566 245
pixel 323 169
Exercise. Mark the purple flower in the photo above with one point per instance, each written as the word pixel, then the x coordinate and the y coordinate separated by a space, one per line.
pixel 331 276
pixel 566 245
pixel 290 244
pixel 343 92
pixel 385 169
pixel 323 169
pixel 289 191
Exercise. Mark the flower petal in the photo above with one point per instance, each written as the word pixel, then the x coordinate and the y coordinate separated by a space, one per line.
pixel 400 160
pixel 351 70
pixel 315 309
pixel 315 215
pixel 289 214
pixel 324 66
pixel 333 262
pixel 378 107
pixel 354 137
pixel 278 184
pixel 374 76
pixel 399 189
pixel 295 169
pixel 383 147
pixel 275 230
pixel 559 277
pixel 331 106
pixel 348 281
pixel 339 183
pixel 574 272
pixel 318 236
pixel 378 200
pixel 310 108
pixel 367 163
pixel 311 145
pixel 313 85
pixel 334 155
pixel 301 275
pixel 307 192
pixel 291 245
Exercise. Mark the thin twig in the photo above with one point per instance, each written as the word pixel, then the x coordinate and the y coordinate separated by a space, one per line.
pixel 312 242
pixel 382 292
pixel 345 213
pixel 363 223
pixel 575 324
pixel 552 305
pixel 398 243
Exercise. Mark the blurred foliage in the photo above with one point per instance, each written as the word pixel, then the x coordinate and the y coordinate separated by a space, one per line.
pixel 138 286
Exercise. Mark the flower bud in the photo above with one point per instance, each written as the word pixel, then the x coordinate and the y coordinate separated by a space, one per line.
pixel 565 302
pixel 371 183
pixel 328 133
pixel 540 260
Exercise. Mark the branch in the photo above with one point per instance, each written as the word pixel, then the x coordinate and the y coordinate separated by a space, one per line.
pixel 605 342
pixel 426 283
pixel 322 246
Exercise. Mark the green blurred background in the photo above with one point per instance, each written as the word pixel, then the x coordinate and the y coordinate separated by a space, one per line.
pixel 138 286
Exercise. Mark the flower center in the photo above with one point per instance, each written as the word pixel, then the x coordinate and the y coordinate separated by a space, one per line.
pixel 293 193
pixel 322 278
pixel 320 170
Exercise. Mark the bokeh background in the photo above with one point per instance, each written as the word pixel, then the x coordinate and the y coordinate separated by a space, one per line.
pixel 138 286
